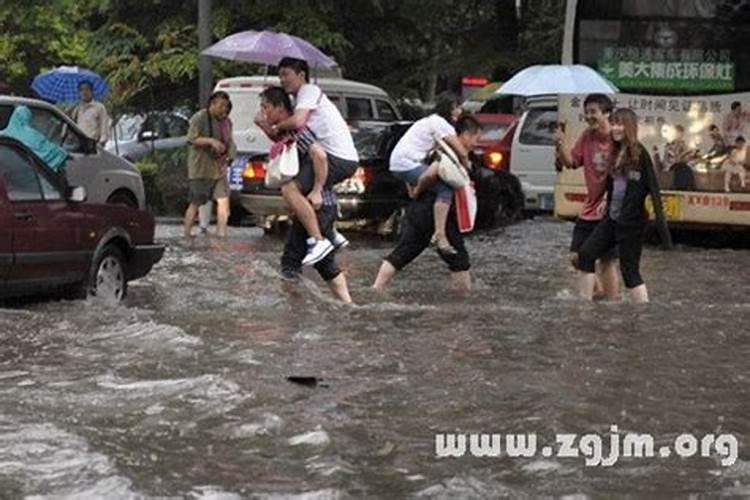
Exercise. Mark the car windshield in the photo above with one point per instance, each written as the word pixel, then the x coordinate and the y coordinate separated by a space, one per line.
pixel 127 127
pixel 367 139
pixel 492 132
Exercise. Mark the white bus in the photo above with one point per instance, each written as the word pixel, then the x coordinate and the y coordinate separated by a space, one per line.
pixel 683 66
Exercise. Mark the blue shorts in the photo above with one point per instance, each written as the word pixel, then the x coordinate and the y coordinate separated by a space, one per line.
pixel 442 190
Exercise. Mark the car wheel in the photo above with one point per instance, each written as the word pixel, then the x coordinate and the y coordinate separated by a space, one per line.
pixel 510 195
pixel 392 227
pixel 125 198
pixel 107 279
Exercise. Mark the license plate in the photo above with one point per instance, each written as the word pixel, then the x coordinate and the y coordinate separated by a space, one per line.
pixel 546 201
pixel 671 204
pixel 235 170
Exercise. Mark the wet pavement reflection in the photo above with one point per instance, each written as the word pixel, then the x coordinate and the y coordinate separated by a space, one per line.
pixel 185 391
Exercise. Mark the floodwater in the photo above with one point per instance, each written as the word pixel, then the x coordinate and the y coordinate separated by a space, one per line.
pixel 183 391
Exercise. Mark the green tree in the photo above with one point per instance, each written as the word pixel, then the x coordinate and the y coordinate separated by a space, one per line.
pixel 37 35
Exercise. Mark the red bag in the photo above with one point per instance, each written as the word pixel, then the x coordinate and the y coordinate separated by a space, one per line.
pixel 466 207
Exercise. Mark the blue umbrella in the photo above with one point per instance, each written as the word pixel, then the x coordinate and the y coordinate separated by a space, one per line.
pixel 61 84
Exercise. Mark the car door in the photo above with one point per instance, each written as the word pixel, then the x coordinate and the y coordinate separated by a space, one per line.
pixel 533 154
pixel 45 228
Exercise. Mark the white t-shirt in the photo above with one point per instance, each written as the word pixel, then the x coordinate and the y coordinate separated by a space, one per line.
pixel 418 141
pixel 326 122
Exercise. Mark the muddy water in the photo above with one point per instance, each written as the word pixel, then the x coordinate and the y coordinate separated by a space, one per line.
pixel 183 391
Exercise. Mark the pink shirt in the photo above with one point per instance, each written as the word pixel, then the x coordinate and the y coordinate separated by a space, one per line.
pixel 593 151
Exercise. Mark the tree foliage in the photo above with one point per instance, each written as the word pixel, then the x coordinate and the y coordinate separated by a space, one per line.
pixel 148 49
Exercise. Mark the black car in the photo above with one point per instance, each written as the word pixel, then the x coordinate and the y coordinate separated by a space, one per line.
pixel 373 194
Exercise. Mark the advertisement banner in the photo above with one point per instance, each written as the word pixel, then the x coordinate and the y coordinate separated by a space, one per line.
pixel 696 142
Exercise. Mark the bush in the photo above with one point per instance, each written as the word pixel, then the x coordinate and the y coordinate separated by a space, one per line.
pixel 165 181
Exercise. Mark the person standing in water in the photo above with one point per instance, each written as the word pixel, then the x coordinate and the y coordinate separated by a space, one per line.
pixel 593 152
pixel 630 179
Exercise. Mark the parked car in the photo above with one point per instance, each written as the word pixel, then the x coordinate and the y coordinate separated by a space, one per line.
pixel 532 155
pixel 135 136
pixel 500 198
pixel 495 141
pixel 50 241
pixel 373 194
pixel 357 102
pixel 107 178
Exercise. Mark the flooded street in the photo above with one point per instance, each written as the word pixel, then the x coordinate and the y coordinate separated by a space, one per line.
pixel 183 391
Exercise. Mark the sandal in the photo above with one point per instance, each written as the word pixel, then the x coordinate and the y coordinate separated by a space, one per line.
pixel 447 250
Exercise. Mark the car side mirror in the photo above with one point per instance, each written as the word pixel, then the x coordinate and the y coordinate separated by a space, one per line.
pixel 148 135
pixel 76 194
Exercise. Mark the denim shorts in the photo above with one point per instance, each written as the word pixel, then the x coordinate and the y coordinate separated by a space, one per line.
pixel 442 190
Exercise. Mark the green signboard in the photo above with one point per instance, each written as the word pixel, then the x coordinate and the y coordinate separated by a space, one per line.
pixel 693 76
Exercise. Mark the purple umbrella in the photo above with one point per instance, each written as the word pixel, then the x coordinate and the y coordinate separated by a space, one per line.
pixel 268 47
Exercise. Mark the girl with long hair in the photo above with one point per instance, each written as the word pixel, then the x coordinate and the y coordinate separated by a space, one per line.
pixel 631 178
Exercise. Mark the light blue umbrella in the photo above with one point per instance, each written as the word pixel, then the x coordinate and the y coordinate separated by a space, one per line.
pixel 61 84
pixel 557 79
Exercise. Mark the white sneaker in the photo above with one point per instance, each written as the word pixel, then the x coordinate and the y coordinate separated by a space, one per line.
pixel 316 251
pixel 339 240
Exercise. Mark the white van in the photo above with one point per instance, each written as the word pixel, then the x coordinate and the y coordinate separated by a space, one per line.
pixel 532 155
pixel 357 102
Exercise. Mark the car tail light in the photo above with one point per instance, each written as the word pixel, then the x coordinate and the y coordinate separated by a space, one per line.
pixel 357 183
pixel 254 170
pixel 496 160
pixel 364 175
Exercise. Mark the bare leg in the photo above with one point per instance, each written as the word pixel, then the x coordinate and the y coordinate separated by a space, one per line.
pixel 222 216
pixel 587 283
pixel 385 275
pixel 190 213
pixel 743 176
pixel 461 280
pixel 639 294
pixel 204 215
pixel 440 212
pixel 302 209
pixel 610 279
pixel 428 179
pixel 320 167
pixel 727 179
pixel 340 289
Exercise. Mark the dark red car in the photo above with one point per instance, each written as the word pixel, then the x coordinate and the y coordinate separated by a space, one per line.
pixel 494 143
pixel 51 241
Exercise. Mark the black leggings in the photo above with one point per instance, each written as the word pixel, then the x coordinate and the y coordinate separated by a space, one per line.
pixel 418 228
pixel 295 248
pixel 607 235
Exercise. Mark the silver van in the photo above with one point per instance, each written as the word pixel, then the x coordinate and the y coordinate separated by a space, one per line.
pixel 106 177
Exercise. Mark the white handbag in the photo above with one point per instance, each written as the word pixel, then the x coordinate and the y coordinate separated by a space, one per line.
pixel 283 164
pixel 450 169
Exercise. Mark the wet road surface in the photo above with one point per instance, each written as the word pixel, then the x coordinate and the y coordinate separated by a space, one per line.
pixel 183 393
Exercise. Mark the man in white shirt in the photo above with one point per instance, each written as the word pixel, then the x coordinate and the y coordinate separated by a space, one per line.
pixel 90 115
pixel 315 111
